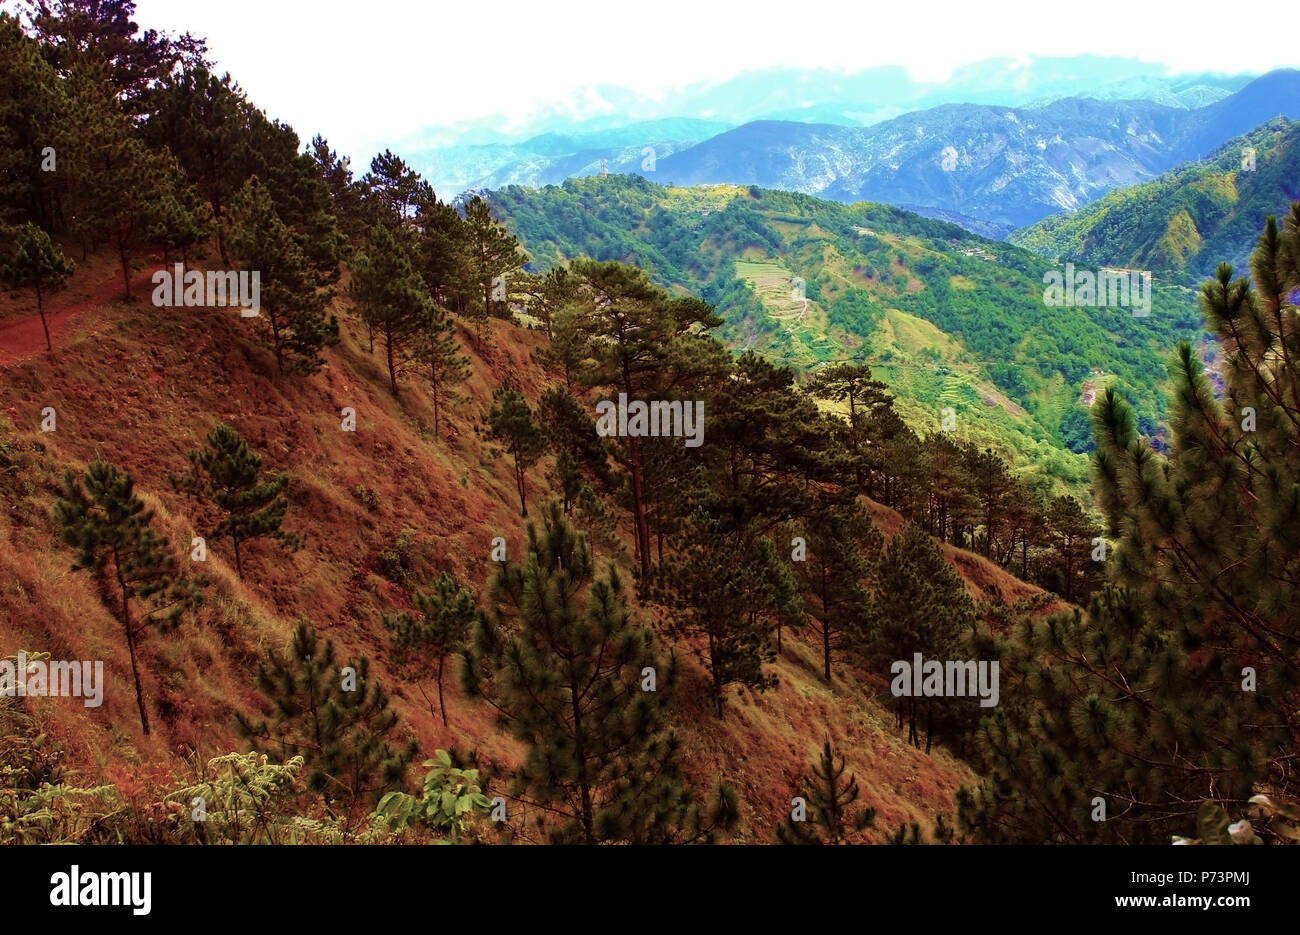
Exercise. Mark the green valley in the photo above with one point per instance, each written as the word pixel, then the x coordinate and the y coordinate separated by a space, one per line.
pixel 946 318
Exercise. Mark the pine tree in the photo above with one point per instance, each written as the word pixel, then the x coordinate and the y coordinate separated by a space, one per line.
pixel 37 263
pixel 102 32
pixel 115 181
pixel 635 331
pixel 394 186
pixel 1026 527
pixel 570 672
pixel 335 716
pixel 32 106
pixel 204 120
pixel 101 515
pixel 728 594
pixel 851 383
pixel 292 305
pixel 444 256
pixel 828 796
pixel 571 432
pixel 446 617
pixel 510 421
pixel 841 545
pixel 227 474
pixel 346 195
pixel 918 605
pixel 557 290
pixel 570 343
pixel 991 486
pixel 179 221
pixel 494 253
pixel 947 487
pixel 391 297
pixel 437 349
pixel 1176 693
pixel 1071 534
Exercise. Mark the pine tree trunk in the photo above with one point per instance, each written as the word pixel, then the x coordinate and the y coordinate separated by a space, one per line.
pixel 442 706
pixel 826 627
pixel 126 268
pixel 580 755
pixel 40 309
pixel 638 503
pixel 433 380
pixel 275 340
pixel 135 676
pixel 519 482
pixel 717 676
pixel 221 232
pixel 130 643
pixel 239 565
pixel 929 725
pixel 388 352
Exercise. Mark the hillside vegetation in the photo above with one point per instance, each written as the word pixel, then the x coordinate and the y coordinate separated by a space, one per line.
pixel 876 279
pixel 1186 221
pixel 363 528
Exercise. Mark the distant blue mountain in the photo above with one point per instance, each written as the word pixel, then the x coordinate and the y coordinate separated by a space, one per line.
pixel 1002 166
pixel 616 124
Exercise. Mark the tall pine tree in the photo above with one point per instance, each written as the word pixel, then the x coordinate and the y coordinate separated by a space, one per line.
pixel 102 516
pixel 511 422
pixel 38 264
pixel 292 305
pixel 229 475
pixel 334 715
pixel 446 618
pixel 1177 692
pixel 574 676
pixel 391 297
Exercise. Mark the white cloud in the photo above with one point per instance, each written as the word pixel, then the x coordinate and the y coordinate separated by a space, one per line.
pixel 380 69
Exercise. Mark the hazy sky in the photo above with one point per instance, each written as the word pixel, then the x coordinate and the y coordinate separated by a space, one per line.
pixel 374 70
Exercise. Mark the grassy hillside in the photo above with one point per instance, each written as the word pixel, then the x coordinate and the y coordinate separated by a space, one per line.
pixel 948 318
pixel 1188 220
pixel 142 390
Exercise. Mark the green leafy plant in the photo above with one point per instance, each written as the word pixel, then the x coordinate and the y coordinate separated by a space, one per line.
pixel 451 799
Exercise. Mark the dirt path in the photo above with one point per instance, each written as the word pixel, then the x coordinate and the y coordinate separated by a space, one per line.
pixel 25 338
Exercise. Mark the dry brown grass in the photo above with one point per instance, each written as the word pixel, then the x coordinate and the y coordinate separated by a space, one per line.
pixel 143 387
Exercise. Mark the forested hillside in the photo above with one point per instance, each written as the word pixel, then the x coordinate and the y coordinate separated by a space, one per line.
pixel 371 517
pixel 1188 220
pixel 946 318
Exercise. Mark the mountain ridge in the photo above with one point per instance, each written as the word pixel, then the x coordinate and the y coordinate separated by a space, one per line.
pixel 1000 165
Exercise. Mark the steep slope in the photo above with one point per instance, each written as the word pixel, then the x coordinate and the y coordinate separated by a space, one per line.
pixel 1188 220
pixel 141 388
